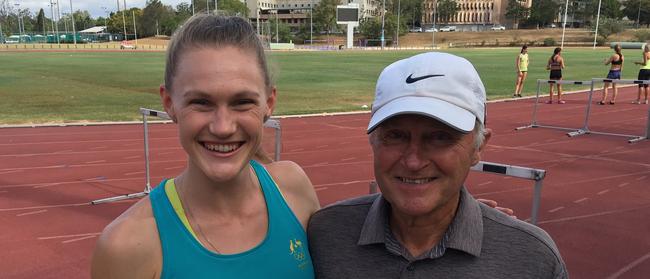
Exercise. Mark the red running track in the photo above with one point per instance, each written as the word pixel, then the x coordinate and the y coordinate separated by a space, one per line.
pixel 595 200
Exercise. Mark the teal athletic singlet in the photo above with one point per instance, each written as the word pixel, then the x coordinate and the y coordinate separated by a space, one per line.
pixel 284 253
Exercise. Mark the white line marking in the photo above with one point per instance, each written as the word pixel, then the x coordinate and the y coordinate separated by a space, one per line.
pixel 30 213
pixel 11 171
pixel 68 236
pixel 592 215
pixel 296 150
pixel 507 177
pixel 641 178
pixel 131 157
pixel 556 209
pixel 98 147
pixel 348 159
pixel 45 206
pixel 4 192
pixel 629 267
pixel 95 162
pixel 132 173
pixel 63 151
pixel 165 153
pixel 321 146
pixel 174 168
pixel 623 184
pixel 321 189
pixel 580 200
pixel 342 183
pixel 485 183
pixel 77 239
pixel 602 192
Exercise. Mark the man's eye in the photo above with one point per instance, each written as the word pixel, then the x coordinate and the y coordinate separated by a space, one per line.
pixel 200 102
pixel 442 138
pixel 243 102
pixel 394 136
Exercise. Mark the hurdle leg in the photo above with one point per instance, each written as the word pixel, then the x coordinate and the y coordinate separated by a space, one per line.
pixel 533 124
pixel 537 195
pixel 647 132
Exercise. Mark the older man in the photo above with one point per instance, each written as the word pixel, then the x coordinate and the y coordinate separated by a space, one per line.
pixel 426 131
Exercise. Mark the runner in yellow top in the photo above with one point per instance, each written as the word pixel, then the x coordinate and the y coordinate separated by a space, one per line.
pixel 644 74
pixel 522 70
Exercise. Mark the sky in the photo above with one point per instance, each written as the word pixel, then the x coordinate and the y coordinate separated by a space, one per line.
pixel 94 7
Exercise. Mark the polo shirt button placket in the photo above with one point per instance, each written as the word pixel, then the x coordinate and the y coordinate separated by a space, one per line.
pixel 410 267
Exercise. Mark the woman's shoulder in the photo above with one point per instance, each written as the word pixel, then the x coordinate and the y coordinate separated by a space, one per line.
pixel 296 188
pixel 129 243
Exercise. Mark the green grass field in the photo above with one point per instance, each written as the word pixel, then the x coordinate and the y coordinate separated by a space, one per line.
pixel 42 87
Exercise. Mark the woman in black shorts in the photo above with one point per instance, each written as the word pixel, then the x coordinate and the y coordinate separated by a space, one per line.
pixel 644 74
pixel 555 64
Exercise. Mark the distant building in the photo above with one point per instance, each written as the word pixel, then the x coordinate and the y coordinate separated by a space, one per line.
pixel 296 12
pixel 473 14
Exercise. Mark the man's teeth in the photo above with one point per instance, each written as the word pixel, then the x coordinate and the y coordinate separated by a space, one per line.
pixel 415 181
pixel 225 148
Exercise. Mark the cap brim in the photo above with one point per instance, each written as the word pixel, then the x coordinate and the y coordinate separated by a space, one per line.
pixel 451 115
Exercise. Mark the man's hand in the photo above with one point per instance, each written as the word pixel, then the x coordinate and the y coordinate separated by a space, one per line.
pixel 493 204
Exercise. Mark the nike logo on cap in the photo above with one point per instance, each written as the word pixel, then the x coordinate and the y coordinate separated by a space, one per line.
pixel 410 79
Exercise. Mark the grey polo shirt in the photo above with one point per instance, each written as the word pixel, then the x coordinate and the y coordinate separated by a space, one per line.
pixel 352 239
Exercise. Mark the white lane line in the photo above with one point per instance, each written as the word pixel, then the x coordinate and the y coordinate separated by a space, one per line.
pixel 580 200
pixel 321 189
pixel 4 191
pixel 95 162
pixel 77 239
pixel 63 151
pixel 11 171
pixel 604 151
pixel 44 206
pixel 623 184
pixel 30 213
pixel 68 236
pixel 556 209
pixel 99 147
pixel 131 157
pixel 507 177
pixel 174 168
pixel 485 183
pixel 348 159
pixel 641 178
pixel 629 266
pixel 572 218
pixel 133 173
pixel 341 183
pixel 165 153
pixel 549 140
pixel 322 146
pixel 602 192
pixel 296 150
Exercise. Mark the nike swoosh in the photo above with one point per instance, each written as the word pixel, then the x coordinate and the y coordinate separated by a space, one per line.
pixel 410 79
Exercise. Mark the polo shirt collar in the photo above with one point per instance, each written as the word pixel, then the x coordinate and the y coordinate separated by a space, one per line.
pixel 465 233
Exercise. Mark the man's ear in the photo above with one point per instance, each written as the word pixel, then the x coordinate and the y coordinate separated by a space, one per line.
pixel 166 100
pixel 270 103
pixel 477 153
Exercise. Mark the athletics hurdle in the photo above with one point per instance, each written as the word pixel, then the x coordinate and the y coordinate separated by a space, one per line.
pixel 534 123
pixel 585 129
pixel 270 123
pixel 508 170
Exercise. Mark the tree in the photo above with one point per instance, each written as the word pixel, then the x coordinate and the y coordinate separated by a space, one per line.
pixel 543 12
pixel 609 26
pixel 411 12
pixel 516 11
pixel 153 14
pixel 371 28
pixel 283 31
pixel 83 20
pixel 325 15
pixel 233 7
pixel 632 11
pixel 447 9
pixel 40 21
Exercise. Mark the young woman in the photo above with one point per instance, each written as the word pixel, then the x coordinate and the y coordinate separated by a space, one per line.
pixel 644 74
pixel 555 64
pixel 225 215
pixel 616 61
pixel 521 64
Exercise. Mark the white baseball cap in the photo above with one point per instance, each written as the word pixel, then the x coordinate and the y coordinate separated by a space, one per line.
pixel 434 84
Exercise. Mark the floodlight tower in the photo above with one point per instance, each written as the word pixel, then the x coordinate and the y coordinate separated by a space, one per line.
pixel 74 31
pixel 124 20
pixel 55 31
pixel 20 30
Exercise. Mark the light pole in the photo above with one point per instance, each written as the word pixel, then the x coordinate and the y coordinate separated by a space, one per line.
pixel 383 13
pixel 216 7
pixel 638 15
pixel 399 3
pixel 311 22
pixel 433 34
pixel 20 29
pixel 277 21
pixel 597 20
pixel 566 9
pixel 135 31
pixel 207 6
pixel 55 31
pixel 74 31
pixel 105 22
pixel 124 20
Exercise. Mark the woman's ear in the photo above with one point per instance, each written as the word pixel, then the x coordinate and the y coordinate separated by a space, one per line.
pixel 270 103
pixel 166 100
